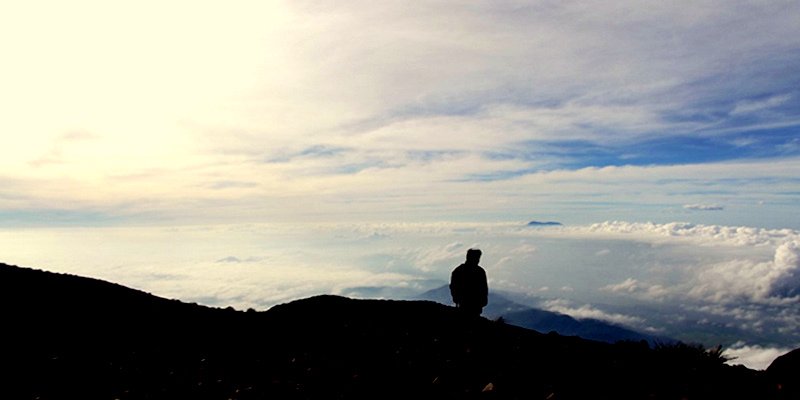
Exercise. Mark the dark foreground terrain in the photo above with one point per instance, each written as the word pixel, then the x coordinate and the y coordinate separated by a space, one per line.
pixel 66 337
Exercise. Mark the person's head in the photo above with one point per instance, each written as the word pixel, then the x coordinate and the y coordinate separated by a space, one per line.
pixel 473 256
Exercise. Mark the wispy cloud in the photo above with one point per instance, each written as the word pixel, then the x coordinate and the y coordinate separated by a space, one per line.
pixel 704 207
pixel 755 357
pixel 379 102
pixel 233 185
pixel 61 144
pixel 588 312
pixel 629 285
pixel 750 106
pixel 633 287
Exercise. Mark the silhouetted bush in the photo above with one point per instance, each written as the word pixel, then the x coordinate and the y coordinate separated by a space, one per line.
pixel 695 354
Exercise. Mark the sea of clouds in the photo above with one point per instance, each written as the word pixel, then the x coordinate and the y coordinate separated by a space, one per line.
pixel 736 286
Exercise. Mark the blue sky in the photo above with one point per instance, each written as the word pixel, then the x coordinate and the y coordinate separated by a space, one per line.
pixel 181 115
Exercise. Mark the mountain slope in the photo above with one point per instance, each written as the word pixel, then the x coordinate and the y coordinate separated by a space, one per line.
pixel 70 337
pixel 497 306
pixel 548 321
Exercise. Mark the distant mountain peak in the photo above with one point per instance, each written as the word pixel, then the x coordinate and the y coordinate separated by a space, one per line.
pixel 544 223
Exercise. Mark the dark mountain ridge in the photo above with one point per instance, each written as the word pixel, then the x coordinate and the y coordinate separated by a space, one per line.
pixel 69 337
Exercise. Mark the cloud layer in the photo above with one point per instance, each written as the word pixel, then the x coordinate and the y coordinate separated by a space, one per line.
pixel 751 279
pixel 730 282
pixel 352 110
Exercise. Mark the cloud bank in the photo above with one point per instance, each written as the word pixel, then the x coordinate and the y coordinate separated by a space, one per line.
pixel 755 357
pixel 676 279
pixel 773 281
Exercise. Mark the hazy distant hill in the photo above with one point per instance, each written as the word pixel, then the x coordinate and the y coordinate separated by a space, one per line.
pixel 548 321
pixel 544 223
pixel 498 304
pixel 67 337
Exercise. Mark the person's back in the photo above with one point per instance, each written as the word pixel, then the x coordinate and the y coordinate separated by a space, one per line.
pixel 468 285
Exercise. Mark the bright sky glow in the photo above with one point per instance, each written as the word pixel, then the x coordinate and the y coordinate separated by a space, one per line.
pixel 181 114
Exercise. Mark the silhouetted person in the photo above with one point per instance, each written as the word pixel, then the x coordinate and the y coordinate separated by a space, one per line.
pixel 468 285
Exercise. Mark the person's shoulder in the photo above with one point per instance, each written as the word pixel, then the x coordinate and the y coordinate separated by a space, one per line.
pixel 460 268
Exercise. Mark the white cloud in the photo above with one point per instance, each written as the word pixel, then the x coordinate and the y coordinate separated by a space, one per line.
pixel 747 107
pixel 629 285
pixel 696 233
pixel 503 261
pixel 754 279
pixel 754 357
pixel 454 246
pixel 229 259
pixel 587 311
pixel 525 249
pixel 775 281
pixel 632 286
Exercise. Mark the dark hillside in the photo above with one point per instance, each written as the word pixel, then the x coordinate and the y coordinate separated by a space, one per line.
pixel 67 337
pixel 785 372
